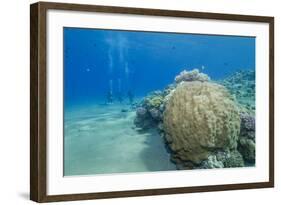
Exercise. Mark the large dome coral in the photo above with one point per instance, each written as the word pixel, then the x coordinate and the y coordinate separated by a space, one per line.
pixel 200 118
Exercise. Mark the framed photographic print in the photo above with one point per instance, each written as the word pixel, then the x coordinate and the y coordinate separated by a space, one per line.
pixel 134 102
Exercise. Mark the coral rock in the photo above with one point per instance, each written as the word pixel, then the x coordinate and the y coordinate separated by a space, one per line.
pixel 154 101
pixel 143 118
pixel 242 85
pixel 141 112
pixel 247 145
pixel 234 159
pixel 211 163
pixel 155 114
pixel 248 126
pixel 247 148
pixel 193 75
pixel 200 117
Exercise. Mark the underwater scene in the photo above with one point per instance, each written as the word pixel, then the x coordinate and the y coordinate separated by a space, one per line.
pixel 141 101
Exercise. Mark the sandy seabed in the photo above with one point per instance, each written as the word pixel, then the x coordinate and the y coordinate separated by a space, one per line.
pixel 101 139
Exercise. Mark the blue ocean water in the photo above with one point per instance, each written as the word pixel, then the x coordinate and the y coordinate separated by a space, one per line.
pixel 101 66
pixel 96 61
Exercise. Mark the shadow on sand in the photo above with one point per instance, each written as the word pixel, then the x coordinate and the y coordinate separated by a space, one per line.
pixel 154 155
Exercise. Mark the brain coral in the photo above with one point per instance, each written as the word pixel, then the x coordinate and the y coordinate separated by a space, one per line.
pixel 199 118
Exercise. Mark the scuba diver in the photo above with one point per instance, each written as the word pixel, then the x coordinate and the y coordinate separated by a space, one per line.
pixel 119 92
pixel 109 97
pixel 131 96
pixel 120 97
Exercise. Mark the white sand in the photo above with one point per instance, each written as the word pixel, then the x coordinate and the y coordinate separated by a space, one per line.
pixel 100 139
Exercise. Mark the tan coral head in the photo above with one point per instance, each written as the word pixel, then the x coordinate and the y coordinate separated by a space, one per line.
pixel 200 117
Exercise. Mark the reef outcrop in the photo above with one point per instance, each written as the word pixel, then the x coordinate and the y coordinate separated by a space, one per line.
pixel 199 119
pixel 221 159
pixel 193 75
pixel 242 85
pixel 149 111
pixel 205 124
pixel 246 143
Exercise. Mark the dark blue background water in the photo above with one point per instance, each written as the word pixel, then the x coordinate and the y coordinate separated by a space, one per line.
pixel 96 61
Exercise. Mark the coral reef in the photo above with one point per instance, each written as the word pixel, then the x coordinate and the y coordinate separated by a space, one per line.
pixel 211 162
pixel 149 112
pixel 241 84
pixel 141 111
pixel 222 159
pixel 154 104
pixel 235 159
pixel 247 148
pixel 248 124
pixel 143 118
pixel 246 143
pixel 193 75
pixel 199 118
pixel 154 100
pixel 204 124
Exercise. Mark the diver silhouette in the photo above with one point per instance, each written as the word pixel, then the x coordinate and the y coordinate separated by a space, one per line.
pixel 119 97
pixel 109 97
pixel 130 96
